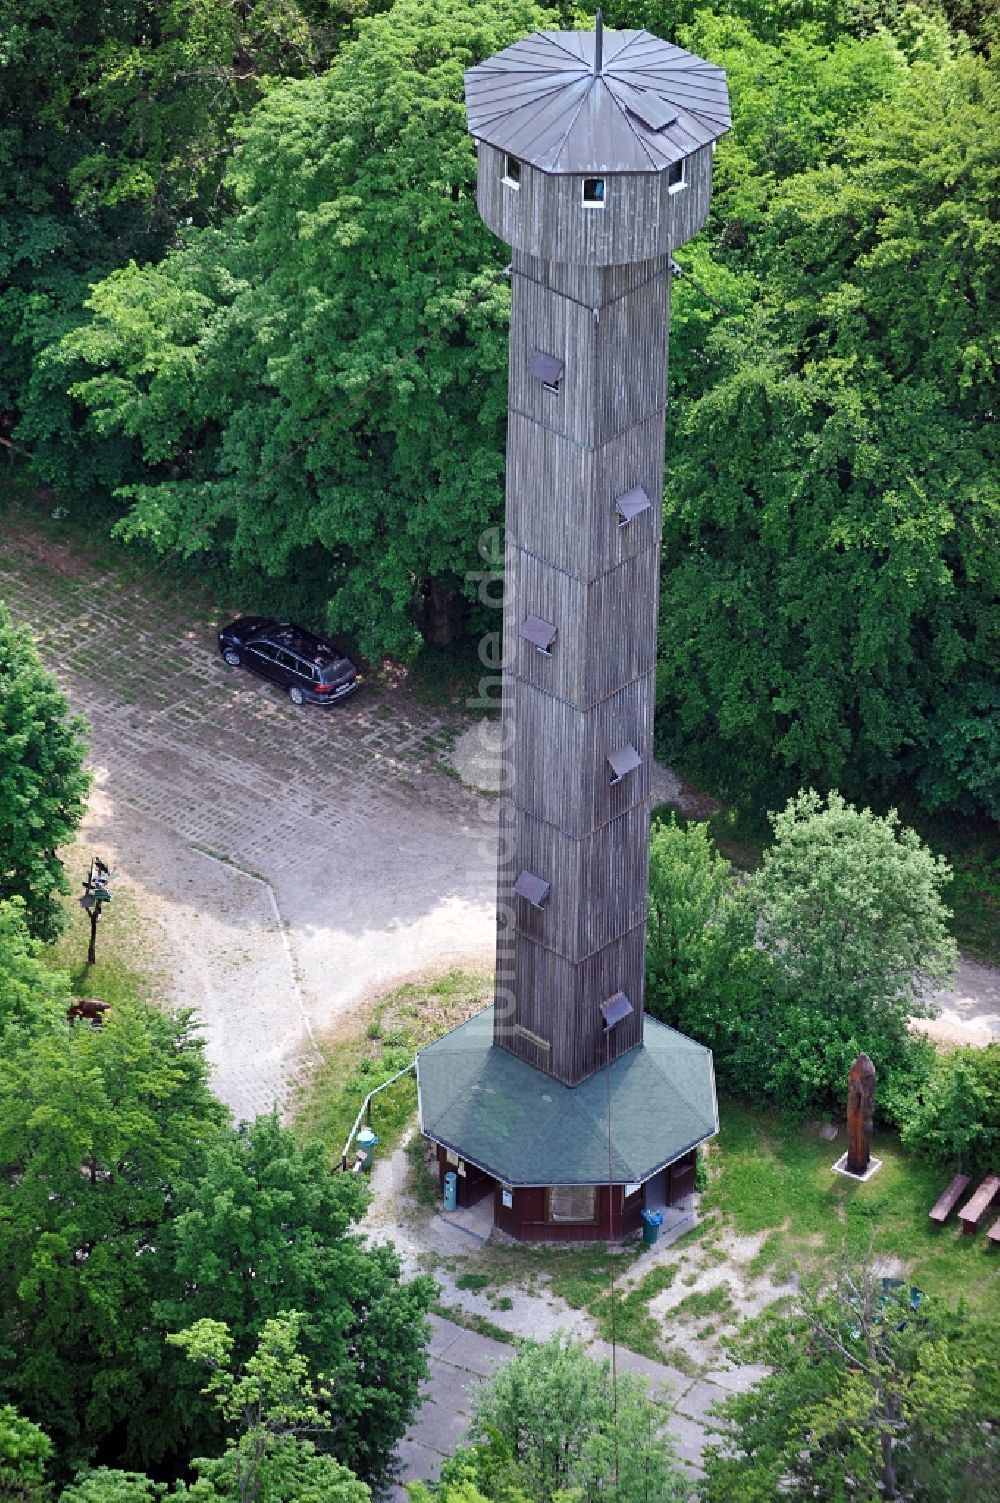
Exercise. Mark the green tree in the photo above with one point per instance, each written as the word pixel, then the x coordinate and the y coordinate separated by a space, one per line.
pixel 108 1485
pixel 951 1114
pixel 291 1471
pixel 547 1423
pixel 865 1400
pixel 705 974
pixel 264 1408
pixel 462 1489
pixel 690 909
pixel 268 1404
pixel 827 950
pixel 25 1452
pixel 267 1227
pixel 829 586
pixel 848 912
pixel 113 131
pixel 31 995
pixel 301 382
pixel 97 1126
pixel 849 908
pixel 42 782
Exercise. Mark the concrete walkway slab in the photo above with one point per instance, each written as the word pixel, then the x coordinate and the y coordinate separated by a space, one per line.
pixel 477 1354
pixel 459 1359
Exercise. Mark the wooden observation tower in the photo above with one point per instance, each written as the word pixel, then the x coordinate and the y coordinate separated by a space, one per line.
pixel 595 164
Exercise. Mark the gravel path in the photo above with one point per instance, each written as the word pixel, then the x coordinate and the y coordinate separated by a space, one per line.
pixel 294 860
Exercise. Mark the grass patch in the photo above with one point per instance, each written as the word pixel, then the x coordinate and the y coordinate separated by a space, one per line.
pixel 126 969
pixel 477 1323
pixel 422 1180
pixel 634 1326
pixel 382 1040
pixel 774 1177
pixel 473 1281
pixel 582 1276
pixel 717 1302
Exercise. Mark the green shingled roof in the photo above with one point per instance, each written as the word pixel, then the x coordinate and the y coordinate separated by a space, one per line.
pixel 525 1128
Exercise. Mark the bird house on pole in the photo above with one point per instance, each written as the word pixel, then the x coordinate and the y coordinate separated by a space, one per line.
pixel 594 164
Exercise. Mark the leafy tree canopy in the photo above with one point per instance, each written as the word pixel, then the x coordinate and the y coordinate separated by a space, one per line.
pixel 25 1452
pixel 829 586
pixel 545 1423
pixel 268 1404
pixel 113 123
pixel 96 1127
pixel 302 384
pixel 267 1227
pixel 31 995
pixel 866 1400
pixel 42 781
pixel 827 950
pixel 699 929
pixel 849 909
pixel 949 1112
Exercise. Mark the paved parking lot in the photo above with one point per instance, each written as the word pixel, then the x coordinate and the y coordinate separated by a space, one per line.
pixel 297 858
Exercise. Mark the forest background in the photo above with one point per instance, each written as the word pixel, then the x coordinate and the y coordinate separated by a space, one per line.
pixel 250 317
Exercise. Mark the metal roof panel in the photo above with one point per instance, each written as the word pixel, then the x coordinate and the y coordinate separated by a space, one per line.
pixel 581 122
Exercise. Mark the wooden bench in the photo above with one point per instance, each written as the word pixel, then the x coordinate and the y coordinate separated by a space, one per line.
pixel 994 1232
pixel 975 1209
pixel 947 1202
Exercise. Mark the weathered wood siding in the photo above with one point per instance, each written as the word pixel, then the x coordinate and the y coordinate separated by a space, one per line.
pixel 599 882
pixel 558 1001
pixel 590 287
pixel 546 216
pixel 561 495
pixel 606 627
pixel 560 771
pixel 602 347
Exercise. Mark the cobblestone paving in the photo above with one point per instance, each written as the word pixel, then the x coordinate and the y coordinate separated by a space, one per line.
pixel 381 865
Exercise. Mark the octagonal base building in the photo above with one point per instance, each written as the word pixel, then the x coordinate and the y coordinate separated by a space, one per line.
pixel 562 1101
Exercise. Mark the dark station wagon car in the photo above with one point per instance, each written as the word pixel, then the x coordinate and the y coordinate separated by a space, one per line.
pixel 310 669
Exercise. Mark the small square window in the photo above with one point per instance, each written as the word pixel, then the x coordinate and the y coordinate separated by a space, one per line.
pixel 534 889
pixel 546 368
pixel 541 634
pixel 622 762
pixel 593 192
pixel 677 176
pixel 574 1203
pixel 512 172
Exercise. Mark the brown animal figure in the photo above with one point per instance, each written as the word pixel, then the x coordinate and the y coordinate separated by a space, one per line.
pixel 90 1009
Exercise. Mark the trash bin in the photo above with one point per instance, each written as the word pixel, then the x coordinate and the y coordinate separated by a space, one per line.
pixel 451 1191
pixel 366 1141
pixel 651 1223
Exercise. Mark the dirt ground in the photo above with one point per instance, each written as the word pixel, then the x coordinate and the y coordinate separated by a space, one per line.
pixel 293 860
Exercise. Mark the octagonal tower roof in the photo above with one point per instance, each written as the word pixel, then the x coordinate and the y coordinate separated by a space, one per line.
pixel 526 1128
pixel 597 101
